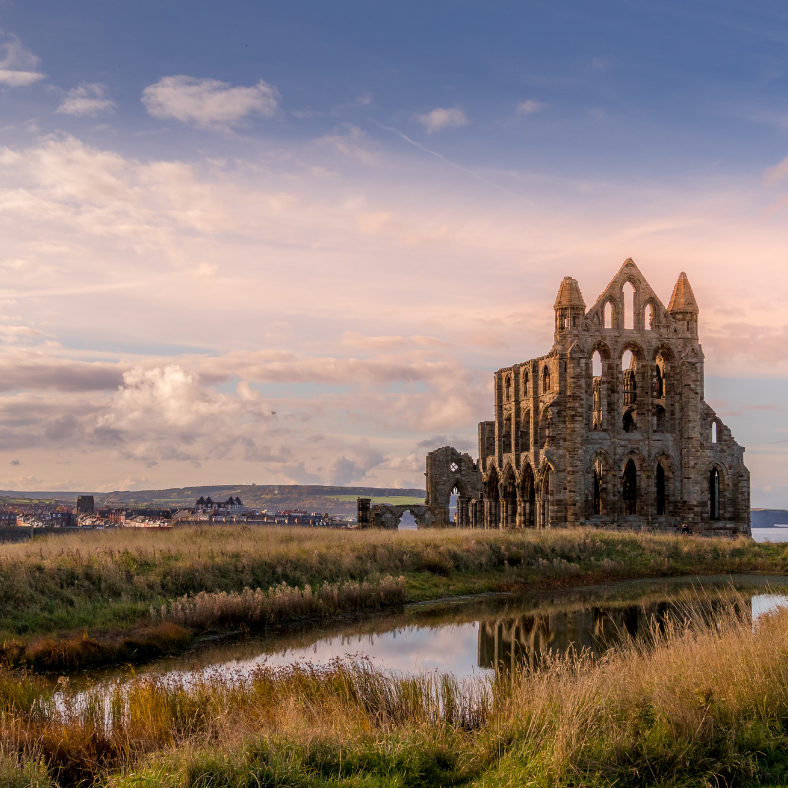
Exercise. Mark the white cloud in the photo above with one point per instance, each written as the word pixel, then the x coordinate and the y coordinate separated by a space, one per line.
pixel 17 66
pixel 207 102
pixel 86 99
pixel 529 107
pixel 443 118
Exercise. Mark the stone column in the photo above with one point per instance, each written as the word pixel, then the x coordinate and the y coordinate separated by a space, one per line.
pixel 519 521
pixel 463 517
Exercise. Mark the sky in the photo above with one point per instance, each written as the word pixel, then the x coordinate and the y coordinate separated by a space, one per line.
pixel 290 242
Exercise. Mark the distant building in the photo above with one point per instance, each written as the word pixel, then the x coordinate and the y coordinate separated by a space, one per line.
pixel 230 505
pixel 85 505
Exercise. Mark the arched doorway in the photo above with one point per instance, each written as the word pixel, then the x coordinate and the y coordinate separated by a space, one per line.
pixel 598 482
pixel 407 522
pixel 629 488
pixel 714 494
pixel 491 496
pixel 528 497
pixel 509 499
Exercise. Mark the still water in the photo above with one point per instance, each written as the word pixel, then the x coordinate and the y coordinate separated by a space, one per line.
pixel 484 634
pixel 775 534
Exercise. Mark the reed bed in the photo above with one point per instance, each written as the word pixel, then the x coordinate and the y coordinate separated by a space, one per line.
pixel 257 607
pixel 692 702
pixel 111 579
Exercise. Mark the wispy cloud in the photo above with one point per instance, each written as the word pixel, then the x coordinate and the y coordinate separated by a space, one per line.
pixel 442 118
pixel 529 107
pixel 208 102
pixel 86 99
pixel 18 65
pixel 777 173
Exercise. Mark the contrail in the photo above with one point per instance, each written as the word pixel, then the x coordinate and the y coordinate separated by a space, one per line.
pixel 446 161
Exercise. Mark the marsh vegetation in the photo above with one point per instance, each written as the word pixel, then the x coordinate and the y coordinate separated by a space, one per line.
pixel 684 703
pixel 86 598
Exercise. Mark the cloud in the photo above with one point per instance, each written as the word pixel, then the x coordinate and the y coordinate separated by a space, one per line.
pixel 352 144
pixel 208 102
pixel 86 99
pixel 15 462
pixel 777 173
pixel 443 118
pixel 17 65
pixel 529 107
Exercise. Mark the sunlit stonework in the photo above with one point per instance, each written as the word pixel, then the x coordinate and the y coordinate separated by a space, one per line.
pixel 610 428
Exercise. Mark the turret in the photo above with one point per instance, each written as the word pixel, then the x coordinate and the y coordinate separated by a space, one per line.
pixel 570 309
pixel 683 307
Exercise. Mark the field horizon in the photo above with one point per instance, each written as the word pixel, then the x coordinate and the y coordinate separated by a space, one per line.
pixel 333 499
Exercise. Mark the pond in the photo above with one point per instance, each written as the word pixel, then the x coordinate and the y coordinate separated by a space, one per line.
pixel 476 635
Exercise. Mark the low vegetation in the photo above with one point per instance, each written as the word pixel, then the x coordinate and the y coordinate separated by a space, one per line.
pixel 685 704
pixel 99 587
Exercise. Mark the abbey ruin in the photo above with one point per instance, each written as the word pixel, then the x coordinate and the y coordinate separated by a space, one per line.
pixel 610 428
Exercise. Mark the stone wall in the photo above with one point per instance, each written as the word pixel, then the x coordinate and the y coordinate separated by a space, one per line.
pixel 632 446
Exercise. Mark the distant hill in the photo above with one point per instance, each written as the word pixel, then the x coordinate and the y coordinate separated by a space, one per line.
pixel 766 518
pixel 312 498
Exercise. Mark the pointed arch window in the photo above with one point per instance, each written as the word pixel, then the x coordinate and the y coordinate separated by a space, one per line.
pixel 648 317
pixel 628 293
pixel 660 381
pixel 608 315
pixel 545 380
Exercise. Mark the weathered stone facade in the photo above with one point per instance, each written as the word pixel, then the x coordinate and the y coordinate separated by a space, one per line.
pixel 448 472
pixel 633 445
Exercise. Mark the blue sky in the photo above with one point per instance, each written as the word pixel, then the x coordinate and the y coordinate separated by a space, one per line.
pixel 244 240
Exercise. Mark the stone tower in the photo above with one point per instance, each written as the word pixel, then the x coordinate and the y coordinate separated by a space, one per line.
pixel 611 426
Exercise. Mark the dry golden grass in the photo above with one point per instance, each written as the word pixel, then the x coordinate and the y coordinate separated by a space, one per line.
pixel 104 583
pixel 687 704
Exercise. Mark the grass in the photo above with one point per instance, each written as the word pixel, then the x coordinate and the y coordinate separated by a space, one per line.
pixel 394 500
pixel 100 586
pixel 686 704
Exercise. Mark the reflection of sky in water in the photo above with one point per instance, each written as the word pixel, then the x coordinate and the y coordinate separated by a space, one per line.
pixel 452 648
pixel 766 603
pixel 770 534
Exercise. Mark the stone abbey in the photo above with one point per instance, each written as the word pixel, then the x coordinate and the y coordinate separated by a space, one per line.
pixel 610 428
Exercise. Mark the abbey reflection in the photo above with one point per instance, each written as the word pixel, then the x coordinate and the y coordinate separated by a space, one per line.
pixel 511 642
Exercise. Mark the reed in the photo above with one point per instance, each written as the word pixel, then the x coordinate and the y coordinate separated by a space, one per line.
pixel 282 603
pixel 104 583
pixel 685 704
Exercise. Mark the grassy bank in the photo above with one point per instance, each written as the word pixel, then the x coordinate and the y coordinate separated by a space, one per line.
pixel 687 704
pixel 101 586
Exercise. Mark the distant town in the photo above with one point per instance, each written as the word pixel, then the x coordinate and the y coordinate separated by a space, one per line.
pixel 205 510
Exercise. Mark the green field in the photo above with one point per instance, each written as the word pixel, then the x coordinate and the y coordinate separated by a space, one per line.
pixel 394 500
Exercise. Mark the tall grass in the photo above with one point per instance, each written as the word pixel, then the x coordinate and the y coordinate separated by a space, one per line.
pixel 106 582
pixel 685 704
pixel 258 607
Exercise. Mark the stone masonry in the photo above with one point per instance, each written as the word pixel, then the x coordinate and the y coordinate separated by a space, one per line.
pixel 631 443
pixel 609 429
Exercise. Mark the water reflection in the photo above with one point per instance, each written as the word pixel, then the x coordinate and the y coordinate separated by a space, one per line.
pixel 525 641
pixel 466 636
